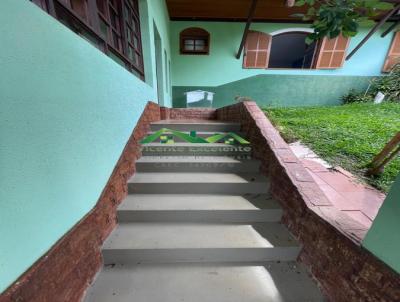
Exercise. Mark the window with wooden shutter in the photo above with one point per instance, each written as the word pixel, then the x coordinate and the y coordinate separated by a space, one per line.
pixel 393 56
pixel 257 50
pixel 332 53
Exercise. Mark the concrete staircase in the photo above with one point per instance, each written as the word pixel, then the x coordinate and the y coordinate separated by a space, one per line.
pixel 199 224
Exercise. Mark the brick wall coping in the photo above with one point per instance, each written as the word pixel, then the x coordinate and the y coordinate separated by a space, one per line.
pixel 312 196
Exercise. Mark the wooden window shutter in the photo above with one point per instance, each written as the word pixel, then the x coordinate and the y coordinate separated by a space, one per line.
pixel 257 50
pixel 332 53
pixel 393 56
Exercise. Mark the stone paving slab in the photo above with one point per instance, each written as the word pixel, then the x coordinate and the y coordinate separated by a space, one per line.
pixel 345 192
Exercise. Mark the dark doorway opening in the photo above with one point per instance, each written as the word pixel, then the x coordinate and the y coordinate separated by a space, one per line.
pixel 289 50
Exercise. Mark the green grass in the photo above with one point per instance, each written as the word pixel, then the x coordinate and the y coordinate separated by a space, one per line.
pixel 348 136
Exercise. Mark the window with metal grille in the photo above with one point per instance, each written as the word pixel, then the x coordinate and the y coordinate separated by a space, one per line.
pixel 111 25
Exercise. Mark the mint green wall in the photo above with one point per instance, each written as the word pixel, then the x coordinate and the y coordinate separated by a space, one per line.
pixel 220 71
pixel 155 12
pixel 221 67
pixel 279 90
pixel 383 239
pixel 66 113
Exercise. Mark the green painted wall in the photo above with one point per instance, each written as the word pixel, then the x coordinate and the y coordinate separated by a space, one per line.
pixel 383 239
pixel 222 73
pixel 66 113
pixel 155 13
pixel 279 90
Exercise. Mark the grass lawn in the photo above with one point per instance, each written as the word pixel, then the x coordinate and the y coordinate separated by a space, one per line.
pixel 348 135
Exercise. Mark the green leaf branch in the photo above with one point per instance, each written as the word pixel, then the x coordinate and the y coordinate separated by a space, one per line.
pixel 334 17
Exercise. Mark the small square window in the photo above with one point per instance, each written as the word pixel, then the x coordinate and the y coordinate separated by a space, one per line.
pixel 194 41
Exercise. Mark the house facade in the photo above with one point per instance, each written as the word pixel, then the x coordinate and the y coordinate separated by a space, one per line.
pixel 77 75
pixel 277 80
pixel 227 77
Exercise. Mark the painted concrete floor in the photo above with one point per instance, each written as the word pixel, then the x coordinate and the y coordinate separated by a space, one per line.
pixel 274 282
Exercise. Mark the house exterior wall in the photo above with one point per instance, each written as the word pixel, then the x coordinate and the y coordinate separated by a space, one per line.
pixel 383 239
pixel 220 72
pixel 155 13
pixel 67 111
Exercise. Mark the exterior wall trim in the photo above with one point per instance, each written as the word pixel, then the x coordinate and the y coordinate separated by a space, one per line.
pixel 292 29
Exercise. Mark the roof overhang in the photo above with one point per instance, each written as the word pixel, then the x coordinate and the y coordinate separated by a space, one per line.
pixel 232 10
pixel 277 11
pixel 260 11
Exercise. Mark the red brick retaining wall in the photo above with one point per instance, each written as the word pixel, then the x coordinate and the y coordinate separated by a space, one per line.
pixel 331 241
pixel 188 114
pixel 65 272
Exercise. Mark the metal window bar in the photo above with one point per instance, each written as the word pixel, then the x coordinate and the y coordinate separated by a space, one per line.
pixel 87 23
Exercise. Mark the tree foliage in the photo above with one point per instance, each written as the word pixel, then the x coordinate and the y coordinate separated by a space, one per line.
pixel 332 17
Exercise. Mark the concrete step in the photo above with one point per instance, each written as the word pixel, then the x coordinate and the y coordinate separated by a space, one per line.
pixel 189 149
pixel 197 183
pixel 273 282
pixel 199 208
pixel 198 134
pixel 200 126
pixel 153 242
pixel 196 164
